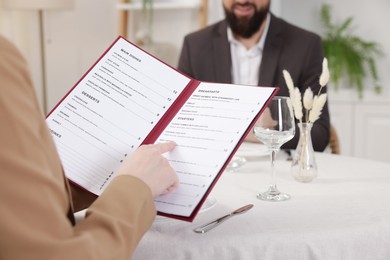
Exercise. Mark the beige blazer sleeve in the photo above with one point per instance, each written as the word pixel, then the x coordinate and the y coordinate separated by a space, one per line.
pixel 34 198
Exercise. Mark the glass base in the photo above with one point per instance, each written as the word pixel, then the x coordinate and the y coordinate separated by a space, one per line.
pixel 273 194
pixel 208 204
pixel 235 163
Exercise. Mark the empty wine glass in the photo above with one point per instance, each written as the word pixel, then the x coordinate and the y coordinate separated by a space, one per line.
pixel 275 127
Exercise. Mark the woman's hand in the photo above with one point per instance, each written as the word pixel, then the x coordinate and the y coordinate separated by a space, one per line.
pixel 148 164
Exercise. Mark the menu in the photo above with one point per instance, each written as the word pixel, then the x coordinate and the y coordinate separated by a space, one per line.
pixel 129 98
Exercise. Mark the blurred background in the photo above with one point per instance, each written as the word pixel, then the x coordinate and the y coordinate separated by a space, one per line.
pixel 63 39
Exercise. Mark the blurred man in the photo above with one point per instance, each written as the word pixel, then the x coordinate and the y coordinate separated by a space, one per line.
pixel 252 46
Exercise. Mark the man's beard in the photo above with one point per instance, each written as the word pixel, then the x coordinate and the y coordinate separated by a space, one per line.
pixel 246 27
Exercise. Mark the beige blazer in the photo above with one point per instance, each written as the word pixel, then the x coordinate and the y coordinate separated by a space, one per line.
pixel 35 202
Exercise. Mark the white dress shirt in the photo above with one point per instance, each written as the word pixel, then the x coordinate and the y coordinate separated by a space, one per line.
pixel 246 62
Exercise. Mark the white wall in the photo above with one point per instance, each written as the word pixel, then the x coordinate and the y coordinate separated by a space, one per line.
pixel 21 27
pixel 371 21
pixel 76 38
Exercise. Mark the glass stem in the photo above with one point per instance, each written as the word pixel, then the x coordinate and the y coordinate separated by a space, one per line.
pixel 273 177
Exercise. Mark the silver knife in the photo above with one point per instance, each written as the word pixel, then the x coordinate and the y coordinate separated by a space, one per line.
pixel 213 224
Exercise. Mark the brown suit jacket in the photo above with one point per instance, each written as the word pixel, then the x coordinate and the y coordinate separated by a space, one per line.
pixel 205 56
pixel 34 194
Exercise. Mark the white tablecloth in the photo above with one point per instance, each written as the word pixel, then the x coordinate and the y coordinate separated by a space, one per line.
pixel 343 214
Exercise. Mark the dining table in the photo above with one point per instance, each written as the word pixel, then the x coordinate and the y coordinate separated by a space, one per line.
pixel 342 214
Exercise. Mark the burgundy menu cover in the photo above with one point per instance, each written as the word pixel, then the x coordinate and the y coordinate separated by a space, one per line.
pixel 129 98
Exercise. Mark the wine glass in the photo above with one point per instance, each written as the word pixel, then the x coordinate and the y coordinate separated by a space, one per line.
pixel 275 127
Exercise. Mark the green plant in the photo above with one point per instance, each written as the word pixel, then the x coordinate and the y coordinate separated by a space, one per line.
pixel 147 10
pixel 348 55
pixel 147 7
pixel 144 33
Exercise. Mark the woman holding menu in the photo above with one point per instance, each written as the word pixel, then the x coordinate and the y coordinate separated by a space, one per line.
pixel 36 203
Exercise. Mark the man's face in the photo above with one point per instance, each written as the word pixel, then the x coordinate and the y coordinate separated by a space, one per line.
pixel 245 17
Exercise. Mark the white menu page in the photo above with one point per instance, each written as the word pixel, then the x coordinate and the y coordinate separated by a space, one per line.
pixel 110 112
pixel 114 107
pixel 207 129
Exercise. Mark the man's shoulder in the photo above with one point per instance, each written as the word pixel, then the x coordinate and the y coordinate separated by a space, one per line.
pixel 290 30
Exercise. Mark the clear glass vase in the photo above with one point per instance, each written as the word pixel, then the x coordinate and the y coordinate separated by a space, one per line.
pixel 304 166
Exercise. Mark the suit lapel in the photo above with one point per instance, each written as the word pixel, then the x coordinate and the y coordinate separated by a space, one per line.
pixel 271 53
pixel 222 60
